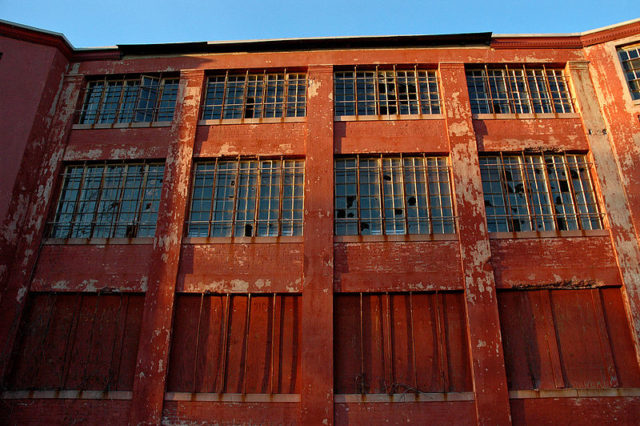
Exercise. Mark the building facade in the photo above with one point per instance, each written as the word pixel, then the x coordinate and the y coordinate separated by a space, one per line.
pixel 426 229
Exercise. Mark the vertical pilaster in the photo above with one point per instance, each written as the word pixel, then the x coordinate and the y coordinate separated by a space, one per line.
pixel 483 323
pixel 155 333
pixel 623 233
pixel 317 293
pixel 18 278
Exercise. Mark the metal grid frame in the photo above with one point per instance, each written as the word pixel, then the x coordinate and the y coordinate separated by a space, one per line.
pixel 518 90
pixel 393 195
pixel 108 200
pixel 630 61
pixel 254 95
pixel 386 92
pixel 247 198
pixel 128 99
pixel 533 192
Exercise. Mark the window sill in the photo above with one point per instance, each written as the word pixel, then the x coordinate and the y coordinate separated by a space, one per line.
pixel 574 393
pixel 548 234
pixel 404 397
pixel 67 394
pixel 389 117
pixel 231 397
pixel 98 241
pixel 393 238
pixel 274 120
pixel 243 240
pixel 523 116
pixel 122 125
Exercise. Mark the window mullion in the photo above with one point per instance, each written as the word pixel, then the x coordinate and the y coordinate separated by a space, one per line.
pixel 576 207
pixel 98 200
pixel 280 197
pixel 77 203
pixel 285 96
pixel 224 94
pixel 376 92
pixel 213 193
pixel 355 96
pixel 552 102
pixel 425 171
pixel 256 217
pixel 265 91
pixel 101 101
pixel 404 196
pixel 245 89
pixel 381 202
pixel 141 199
pixel 505 194
pixel 552 207
pixel 527 196
pixel 525 77
pixel 358 191
pixel 397 91
pixel 235 197
pixel 487 82
pixel 511 101
pixel 119 104
pixel 120 198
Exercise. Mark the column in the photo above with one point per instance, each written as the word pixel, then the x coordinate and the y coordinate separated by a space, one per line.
pixel 155 333
pixel 317 293
pixel 483 322
pixel 613 191
pixel 19 274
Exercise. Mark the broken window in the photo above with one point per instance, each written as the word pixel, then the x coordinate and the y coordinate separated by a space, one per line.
pixel 266 95
pixel 630 59
pixel 541 192
pixel 136 99
pixel 518 90
pixel 247 198
pixel 106 200
pixel 393 196
pixel 386 92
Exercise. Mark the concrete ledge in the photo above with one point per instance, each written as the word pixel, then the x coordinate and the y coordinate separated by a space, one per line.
pixel 404 397
pixel 66 394
pixel 575 393
pixel 231 397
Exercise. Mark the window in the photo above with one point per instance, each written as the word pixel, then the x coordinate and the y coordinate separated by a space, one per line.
pixel 538 193
pixel 128 100
pixel 108 200
pixel 266 95
pixel 518 90
pixel 392 196
pixel 630 58
pixel 386 92
pixel 247 198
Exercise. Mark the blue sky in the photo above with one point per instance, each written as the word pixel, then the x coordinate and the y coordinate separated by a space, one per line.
pixel 89 23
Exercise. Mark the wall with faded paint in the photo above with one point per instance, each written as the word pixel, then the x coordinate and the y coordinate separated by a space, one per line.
pixel 472 327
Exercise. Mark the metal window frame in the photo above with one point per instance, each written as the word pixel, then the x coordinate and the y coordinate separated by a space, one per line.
pixel 125 79
pixel 112 224
pixel 381 193
pixel 279 171
pixel 562 97
pixel 384 73
pixel 281 108
pixel 533 203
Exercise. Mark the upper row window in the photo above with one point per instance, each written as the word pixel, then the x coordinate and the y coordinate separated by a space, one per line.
pixel 386 92
pixel 521 90
pixel 630 58
pixel 266 95
pixel 128 100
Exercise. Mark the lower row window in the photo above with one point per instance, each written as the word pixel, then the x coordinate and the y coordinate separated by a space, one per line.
pixel 106 200
pixel 247 198
pixel 393 195
pixel 538 193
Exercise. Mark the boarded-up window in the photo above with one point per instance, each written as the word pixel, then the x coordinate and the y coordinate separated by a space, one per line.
pixel 77 341
pixel 235 344
pixel 567 339
pixel 400 342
